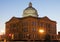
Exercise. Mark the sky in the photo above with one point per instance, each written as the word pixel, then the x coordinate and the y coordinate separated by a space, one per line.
pixel 10 8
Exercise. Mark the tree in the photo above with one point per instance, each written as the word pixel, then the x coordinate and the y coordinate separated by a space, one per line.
pixel 47 38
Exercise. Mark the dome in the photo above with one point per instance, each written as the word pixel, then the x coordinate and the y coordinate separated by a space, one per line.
pixel 30 11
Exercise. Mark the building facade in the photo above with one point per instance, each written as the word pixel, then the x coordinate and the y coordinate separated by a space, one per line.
pixel 58 36
pixel 28 26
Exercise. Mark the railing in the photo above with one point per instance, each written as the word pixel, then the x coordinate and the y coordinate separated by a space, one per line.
pixel 34 41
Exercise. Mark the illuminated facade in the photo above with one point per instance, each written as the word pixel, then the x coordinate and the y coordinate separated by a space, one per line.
pixel 28 26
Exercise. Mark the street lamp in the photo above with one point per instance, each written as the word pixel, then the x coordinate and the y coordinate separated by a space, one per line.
pixel 41 31
pixel 2 32
pixel 11 36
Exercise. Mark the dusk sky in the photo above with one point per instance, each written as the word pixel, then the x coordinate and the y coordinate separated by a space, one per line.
pixel 10 8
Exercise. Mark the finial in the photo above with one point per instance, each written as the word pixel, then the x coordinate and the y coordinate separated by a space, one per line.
pixel 30 4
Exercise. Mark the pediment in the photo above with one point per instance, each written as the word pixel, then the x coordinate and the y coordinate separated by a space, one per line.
pixel 46 18
pixel 13 19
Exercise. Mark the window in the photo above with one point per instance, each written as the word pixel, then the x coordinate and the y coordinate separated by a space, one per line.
pixel 41 24
pixel 34 23
pixel 50 31
pixel 33 29
pixel 13 25
pixel 25 29
pixel 52 37
pixel 27 35
pixel 33 35
pixel 48 25
pixel 20 36
pixel 24 23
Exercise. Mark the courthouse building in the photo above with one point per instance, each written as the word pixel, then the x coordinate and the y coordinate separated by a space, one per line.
pixel 30 26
